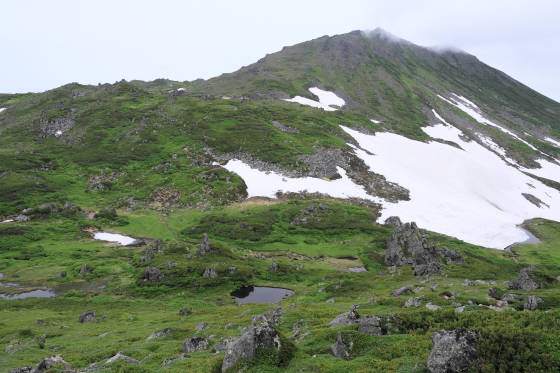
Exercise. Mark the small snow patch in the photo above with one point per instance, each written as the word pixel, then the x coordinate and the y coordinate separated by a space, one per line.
pixel 375 121
pixel 326 99
pixel 2 109
pixel 112 237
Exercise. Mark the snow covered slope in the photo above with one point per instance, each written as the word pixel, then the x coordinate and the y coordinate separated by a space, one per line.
pixel 469 193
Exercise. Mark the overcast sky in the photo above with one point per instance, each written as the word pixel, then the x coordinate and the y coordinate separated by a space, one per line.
pixel 48 43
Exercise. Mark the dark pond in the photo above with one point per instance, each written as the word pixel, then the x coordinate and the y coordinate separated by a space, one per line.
pixel 531 238
pixel 357 269
pixel 42 293
pixel 347 257
pixel 260 294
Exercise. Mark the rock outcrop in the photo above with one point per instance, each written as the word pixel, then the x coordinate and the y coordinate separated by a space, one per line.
pixel 342 346
pixel 524 281
pixel 413 302
pixel 153 274
pixel 531 303
pixel 120 356
pixel 87 316
pixel 50 362
pixel 371 325
pixel 402 291
pixel 205 247
pixel 408 246
pixel 453 351
pixel 210 272
pixel 262 335
pixel 156 247
pixel 159 334
pixel 194 344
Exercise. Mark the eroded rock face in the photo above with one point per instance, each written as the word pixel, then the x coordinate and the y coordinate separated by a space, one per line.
pixel 262 335
pixel 194 344
pixel 408 246
pixel 153 274
pixel 156 247
pixel 87 316
pixel 341 346
pixel 402 291
pixel 413 302
pixel 205 247
pixel 371 325
pixel 210 272
pixel 453 351
pixel 160 333
pixel 524 281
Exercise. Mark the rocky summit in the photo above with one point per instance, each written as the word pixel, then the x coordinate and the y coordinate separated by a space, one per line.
pixel 351 203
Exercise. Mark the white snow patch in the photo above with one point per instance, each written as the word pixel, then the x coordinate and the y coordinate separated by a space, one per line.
pixel 552 141
pixel 548 170
pixel 472 194
pixel 265 184
pixel 326 99
pixel 181 89
pixel 7 221
pixel 375 121
pixel 471 109
pixel 2 109
pixel 226 97
pixel 112 237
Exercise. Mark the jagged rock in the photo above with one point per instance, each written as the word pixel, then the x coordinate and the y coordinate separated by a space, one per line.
pixel 87 316
pixel 222 345
pixel 85 270
pixel 371 325
pixel 68 206
pixel 346 318
pixel 273 267
pixel 262 335
pixel 201 326
pixel 21 370
pixel 393 220
pixel 340 348
pixel 184 312
pixel 408 246
pixel 170 264
pixel 40 322
pixel 453 351
pixel 153 274
pixel 229 325
pixel 413 302
pixel 160 333
pixel 166 362
pixel 61 275
pixel 210 272
pixel 156 247
pixel 460 309
pixel 257 318
pixel 451 255
pixel 508 297
pixel 49 206
pixel 205 247
pixel 531 303
pixel 402 291
pixel 194 344
pixel 120 356
pixel 49 362
pixel 432 307
pixel 467 283
pixel 22 218
pixel 524 281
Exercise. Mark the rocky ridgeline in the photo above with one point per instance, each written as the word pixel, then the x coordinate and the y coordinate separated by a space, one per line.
pixel 409 246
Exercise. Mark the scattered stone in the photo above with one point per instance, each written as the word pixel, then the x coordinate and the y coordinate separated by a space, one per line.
pixel 413 302
pixel 26 369
pixel 61 275
pixel 49 362
pixel 346 318
pixel 468 283
pixel 49 206
pixel 371 325
pixel 194 344
pixel 402 291
pixel 201 326
pixel 68 206
pixel 166 362
pixel 257 336
pixel 120 356
pixel 330 300
pixel 170 264
pixel 508 297
pixel 460 309
pixel 432 307
pixel 524 281
pixel 184 312
pixel 258 318
pixel 210 272
pixel 40 322
pixel 531 303
pixel 205 247
pixel 87 316
pixel 85 270
pixel 160 333
pixel 273 267
pixel 453 351
pixel 231 270
pixel 153 274
pixel 434 287
pixel 456 304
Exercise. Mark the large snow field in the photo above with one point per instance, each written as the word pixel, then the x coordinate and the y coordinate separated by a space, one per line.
pixel 267 184
pixel 548 170
pixel 471 194
pixel 326 99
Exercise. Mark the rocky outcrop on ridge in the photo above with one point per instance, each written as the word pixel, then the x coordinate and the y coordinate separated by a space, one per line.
pixel 409 246
pixel 453 351
pixel 524 281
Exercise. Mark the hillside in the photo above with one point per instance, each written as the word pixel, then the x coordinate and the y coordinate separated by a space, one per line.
pixel 286 174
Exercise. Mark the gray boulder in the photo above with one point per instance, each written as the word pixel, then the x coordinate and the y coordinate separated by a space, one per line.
pixel 170 264
pixel 49 206
pixel 26 369
pixel 153 274
pixel 273 267
pixel 184 312
pixel 413 302
pixel 159 334
pixel 468 282
pixel 68 206
pixel 166 362
pixel 210 272
pixel 508 297
pixel 40 322
pixel 201 326
pixel 346 318
pixel 194 344
pixel 393 220
pixel 402 291
pixel 258 318
pixel 531 303
pixel 205 247
pixel 222 345
pixel 22 218
pixel 453 351
pixel 120 356
pixel 371 325
pixel 87 316
pixel 156 247
pixel 85 270
pixel 49 362
pixel 524 281
pixel 341 346
pixel 262 335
